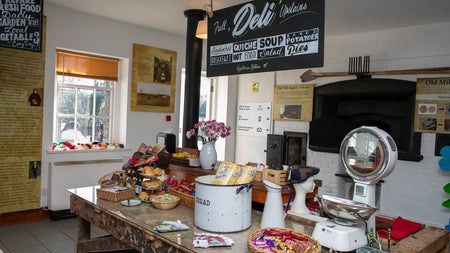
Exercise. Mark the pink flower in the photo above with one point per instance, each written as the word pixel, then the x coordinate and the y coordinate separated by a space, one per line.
pixel 209 130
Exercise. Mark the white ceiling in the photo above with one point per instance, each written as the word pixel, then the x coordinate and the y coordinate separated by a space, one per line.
pixel 341 16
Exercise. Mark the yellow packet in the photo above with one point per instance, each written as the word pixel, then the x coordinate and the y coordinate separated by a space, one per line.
pixel 226 174
pixel 246 175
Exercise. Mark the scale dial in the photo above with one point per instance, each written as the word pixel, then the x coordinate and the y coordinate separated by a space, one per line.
pixel 368 154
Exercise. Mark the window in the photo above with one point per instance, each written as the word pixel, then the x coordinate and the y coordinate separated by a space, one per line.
pixel 85 87
pixel 206 91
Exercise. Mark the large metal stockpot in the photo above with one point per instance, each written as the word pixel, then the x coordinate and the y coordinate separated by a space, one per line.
pixel 222 208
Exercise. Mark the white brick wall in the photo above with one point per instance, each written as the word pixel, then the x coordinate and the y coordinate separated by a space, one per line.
pixel 414 189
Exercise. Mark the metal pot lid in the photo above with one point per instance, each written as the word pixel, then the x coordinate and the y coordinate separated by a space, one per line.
pixel 368 154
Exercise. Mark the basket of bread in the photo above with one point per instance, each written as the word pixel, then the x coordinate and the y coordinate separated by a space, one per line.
pixel 281 240
pixel 165 201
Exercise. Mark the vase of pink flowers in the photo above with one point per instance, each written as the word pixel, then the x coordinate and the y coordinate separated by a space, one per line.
pixel 209 132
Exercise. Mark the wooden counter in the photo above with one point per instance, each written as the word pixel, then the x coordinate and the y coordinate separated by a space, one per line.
pixel 259 191
pixel 132 227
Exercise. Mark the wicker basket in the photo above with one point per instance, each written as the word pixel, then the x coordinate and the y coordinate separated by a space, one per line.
pixel 115 196
pixel 110 176
pixel 185 199
pixel 314 248
pixel 166 205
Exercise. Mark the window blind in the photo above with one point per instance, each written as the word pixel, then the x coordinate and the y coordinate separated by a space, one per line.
pixel 86 66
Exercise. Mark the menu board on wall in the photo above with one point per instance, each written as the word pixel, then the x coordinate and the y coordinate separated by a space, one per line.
pixel 21 24
pixel 432 110
pixel 263 36
pixel 254 119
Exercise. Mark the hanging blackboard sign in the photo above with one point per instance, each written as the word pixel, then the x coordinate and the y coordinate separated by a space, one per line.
pixel 21 24
pixel 263 36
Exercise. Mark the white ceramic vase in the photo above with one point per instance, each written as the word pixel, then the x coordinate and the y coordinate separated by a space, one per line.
pixel 208 155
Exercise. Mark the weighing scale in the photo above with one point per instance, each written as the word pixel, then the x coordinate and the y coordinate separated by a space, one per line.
pixel 368 155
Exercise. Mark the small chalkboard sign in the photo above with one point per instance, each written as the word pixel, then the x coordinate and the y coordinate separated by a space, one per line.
pixel 21 24
pixel 266 35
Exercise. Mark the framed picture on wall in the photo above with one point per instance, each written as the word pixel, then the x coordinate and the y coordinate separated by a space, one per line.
pixel 153 79
pixel 293 102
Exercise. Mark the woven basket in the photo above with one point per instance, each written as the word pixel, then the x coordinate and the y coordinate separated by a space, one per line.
pixel 314 248
pixel 109 176
pixel 166 205
pixel 103 193
pixel 185 199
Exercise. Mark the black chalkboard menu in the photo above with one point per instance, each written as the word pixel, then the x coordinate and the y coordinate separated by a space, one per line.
pixel 263 36
pixel 21 24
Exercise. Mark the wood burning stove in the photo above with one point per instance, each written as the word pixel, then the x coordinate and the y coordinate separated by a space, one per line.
pixel 286 149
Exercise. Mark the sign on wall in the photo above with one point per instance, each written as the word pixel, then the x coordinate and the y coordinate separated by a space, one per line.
pixel 254 119
pixel 21 24
pixel 263 36
pixel 432 105
pixel 293 102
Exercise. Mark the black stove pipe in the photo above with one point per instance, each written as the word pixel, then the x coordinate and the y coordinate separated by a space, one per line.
pixel 194 47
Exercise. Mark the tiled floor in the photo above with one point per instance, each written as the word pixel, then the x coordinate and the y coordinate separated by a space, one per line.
pixel 42 237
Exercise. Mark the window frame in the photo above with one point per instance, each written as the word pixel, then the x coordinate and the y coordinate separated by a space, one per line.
pixel 115 100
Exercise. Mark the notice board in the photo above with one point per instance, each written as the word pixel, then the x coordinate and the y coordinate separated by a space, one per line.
pixel 263 36
pixel 432 110
pixel 254 119
pixel 21 24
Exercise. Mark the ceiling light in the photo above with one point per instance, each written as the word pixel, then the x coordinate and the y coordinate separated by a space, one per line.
pixel 202 26
pixel 202 29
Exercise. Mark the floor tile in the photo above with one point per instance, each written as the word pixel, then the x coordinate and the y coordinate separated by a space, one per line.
pixel 40 227
pixel 14 244
pixel 34 249
pixel 61 246
pixel 46 236
pixel 13 233
pixel 69 251
pixel 52 237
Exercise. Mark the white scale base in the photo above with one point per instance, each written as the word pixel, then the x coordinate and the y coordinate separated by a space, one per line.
pixel 339 237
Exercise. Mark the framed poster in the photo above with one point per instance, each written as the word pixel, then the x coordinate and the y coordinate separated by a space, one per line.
pixel 293 102
pixel 153 79
pixel 266 35
pixel 432 109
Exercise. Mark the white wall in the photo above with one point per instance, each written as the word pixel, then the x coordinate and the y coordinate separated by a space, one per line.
pixel 414 189
pixel 71 30
pixel 251 148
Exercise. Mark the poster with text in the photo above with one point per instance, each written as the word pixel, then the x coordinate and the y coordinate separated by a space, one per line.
pixel 153 79
pixel 432 110
pixel 293 102
pixel 266 35
pixel 21 24
pixel 254 119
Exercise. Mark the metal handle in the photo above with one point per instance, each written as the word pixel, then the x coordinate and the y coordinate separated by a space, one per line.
pixel 289 200
pixel 244 186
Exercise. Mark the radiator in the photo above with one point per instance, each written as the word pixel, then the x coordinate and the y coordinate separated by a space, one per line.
pixel 65 175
